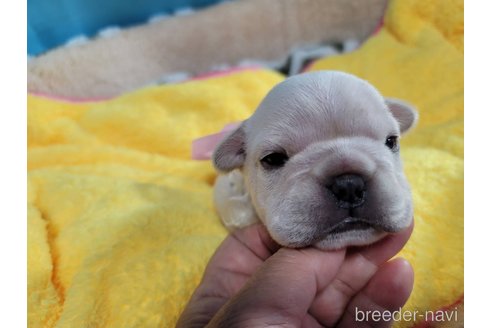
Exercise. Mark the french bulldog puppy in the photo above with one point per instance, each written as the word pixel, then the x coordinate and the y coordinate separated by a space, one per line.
pixel 318 164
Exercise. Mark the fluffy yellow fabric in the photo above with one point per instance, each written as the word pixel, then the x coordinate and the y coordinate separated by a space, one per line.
pixel 418 56
pixel 121 221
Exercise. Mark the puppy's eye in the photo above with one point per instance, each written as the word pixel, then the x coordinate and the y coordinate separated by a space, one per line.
pixel 274 160
pixel 392 143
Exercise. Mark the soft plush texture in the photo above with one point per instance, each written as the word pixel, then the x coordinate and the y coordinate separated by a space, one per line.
pixel 121 222
pixel 223 34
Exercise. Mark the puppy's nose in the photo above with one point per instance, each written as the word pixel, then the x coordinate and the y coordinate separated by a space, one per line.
pixel 349 189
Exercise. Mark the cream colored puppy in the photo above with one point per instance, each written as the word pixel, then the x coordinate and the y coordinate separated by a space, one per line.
pixel 318 163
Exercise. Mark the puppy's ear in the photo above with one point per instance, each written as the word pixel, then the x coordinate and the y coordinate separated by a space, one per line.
pixel 403 112
pixel 231 152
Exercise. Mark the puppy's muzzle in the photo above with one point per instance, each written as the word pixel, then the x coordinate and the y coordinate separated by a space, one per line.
pixel 349 190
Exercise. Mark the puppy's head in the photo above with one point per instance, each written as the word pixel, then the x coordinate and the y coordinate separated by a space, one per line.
pixel 321 162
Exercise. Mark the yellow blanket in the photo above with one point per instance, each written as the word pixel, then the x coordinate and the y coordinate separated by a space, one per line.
pixel 121 221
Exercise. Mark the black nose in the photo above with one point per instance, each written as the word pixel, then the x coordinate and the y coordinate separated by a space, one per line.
pixel 349 189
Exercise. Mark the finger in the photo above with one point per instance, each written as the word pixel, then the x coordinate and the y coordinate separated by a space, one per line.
pixel 330 303
pixel 310 322
pixel 258 240
pixel 358 268
pixel 385 293
pixel 282 290
pixel 236 259
pixel 241 247
pixel 386 248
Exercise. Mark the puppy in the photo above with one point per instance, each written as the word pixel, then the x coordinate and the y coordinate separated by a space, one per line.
pixel 318 164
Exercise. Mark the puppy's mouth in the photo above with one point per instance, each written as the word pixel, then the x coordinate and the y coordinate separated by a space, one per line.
pixel 350 224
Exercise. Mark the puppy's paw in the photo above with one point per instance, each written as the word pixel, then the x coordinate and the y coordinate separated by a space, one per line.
pixel 232 201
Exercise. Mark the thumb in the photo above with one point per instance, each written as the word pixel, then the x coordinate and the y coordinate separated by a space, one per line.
pixel 282 290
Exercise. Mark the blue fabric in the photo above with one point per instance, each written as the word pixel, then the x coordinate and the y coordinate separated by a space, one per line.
pixel 51 23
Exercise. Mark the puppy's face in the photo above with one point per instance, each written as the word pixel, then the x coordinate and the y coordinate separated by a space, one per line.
pixel 321 162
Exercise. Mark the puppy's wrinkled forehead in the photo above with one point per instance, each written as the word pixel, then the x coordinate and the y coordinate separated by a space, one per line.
pixel 320 106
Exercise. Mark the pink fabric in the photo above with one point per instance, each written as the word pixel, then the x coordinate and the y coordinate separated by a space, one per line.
pixel 225 72
pixel 203 148
pixel 379 27
pixel 198 77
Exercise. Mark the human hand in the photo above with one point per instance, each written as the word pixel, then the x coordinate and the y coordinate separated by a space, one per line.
pixel 251 282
